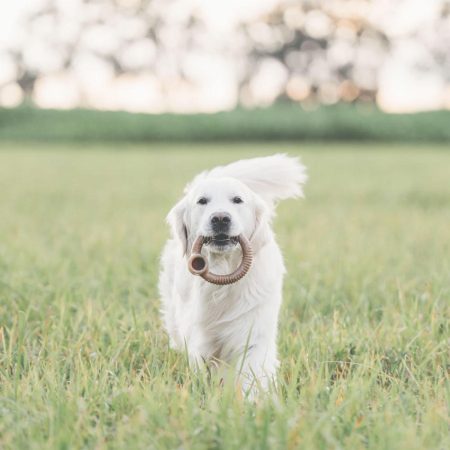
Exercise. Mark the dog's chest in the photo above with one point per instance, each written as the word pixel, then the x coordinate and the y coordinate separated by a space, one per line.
pixel 222 306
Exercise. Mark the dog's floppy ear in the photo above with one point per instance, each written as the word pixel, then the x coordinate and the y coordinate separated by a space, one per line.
pixel 273 178
pixel 177 221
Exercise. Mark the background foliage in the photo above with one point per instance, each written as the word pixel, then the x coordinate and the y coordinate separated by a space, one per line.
pixel 282 122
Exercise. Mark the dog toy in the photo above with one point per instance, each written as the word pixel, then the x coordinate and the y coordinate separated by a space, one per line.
pixel 198 265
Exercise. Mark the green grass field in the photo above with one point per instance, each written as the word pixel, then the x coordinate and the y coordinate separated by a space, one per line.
pixel 364 330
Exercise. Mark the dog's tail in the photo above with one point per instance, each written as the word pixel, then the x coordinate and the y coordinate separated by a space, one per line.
pixel 274 178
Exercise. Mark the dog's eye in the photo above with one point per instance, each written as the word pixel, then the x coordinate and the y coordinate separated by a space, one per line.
pixel 202 201
pixel 237 200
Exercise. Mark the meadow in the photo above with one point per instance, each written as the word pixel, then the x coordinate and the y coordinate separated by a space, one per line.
pixel 364 329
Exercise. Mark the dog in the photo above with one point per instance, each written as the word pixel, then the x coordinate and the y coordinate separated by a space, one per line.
pixel 237 323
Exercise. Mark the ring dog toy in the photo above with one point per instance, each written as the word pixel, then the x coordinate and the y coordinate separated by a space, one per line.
pixel 198 265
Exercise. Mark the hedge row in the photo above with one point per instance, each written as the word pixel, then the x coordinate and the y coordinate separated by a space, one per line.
pixel 283 122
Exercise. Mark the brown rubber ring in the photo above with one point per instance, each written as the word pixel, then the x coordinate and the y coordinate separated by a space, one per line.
pixel 198 265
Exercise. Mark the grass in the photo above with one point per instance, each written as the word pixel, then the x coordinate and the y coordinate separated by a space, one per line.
pixel 282 122
pixel 84 362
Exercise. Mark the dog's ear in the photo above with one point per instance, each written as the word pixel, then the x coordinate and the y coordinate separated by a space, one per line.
pixel 177 221
pixel 261 232
pixel 273 178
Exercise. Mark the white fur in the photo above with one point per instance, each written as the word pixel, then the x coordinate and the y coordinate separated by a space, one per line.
pixel 236 324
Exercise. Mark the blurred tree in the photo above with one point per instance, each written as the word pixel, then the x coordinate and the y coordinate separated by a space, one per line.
pixel 309 51
pixel 99 39
pixel 326 54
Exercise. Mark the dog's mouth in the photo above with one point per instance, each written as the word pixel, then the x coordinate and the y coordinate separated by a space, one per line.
pixel 221 240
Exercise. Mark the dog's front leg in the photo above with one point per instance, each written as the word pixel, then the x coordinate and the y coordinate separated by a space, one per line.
pixel 196 360
pixel 198 349
pixel 257 368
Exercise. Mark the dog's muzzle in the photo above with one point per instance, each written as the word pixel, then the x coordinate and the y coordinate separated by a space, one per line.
pixel 198 265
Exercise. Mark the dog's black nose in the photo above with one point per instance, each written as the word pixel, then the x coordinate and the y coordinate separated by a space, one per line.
pixel 220 221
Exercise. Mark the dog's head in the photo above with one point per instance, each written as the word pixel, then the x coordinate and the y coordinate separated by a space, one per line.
pixel 219 209
pixel 235 199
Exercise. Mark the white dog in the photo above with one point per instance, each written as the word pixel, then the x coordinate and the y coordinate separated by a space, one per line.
pixel 236 323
